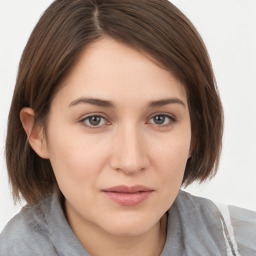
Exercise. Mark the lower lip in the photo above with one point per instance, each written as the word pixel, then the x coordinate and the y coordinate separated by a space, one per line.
pixel 128 199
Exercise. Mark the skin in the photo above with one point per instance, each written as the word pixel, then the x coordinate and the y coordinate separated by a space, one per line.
pixel 134 142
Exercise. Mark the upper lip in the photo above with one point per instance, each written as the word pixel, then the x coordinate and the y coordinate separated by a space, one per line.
pixel 128 189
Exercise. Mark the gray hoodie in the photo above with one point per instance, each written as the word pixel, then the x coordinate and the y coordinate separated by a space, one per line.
pixel 196 227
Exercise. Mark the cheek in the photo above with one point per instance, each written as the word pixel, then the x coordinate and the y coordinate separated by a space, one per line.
pixel 169 165
pixel 74 157
pixel 68 145
pixel 170 158
pixel 173 151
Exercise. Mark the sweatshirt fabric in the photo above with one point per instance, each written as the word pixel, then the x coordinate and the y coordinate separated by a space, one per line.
pixel 195 227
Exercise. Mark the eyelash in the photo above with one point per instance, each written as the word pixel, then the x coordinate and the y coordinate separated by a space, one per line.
pixel 90 126
pixel 171 120
pixel 83 121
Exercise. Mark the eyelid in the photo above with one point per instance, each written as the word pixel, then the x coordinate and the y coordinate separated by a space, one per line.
pixel 82 119
pixel 85 117
pixel 171 117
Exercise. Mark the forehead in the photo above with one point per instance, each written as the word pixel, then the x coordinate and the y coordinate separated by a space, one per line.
pixel 111 70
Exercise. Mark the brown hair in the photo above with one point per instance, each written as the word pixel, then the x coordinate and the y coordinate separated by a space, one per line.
pixel 155 27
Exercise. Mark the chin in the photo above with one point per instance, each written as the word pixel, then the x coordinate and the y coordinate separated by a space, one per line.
pixel 126 226
pixel 128 231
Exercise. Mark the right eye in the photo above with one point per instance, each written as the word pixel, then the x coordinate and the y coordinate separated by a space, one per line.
pixel 93 121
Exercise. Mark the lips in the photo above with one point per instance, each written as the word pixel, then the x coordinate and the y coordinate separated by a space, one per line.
pixel 128 195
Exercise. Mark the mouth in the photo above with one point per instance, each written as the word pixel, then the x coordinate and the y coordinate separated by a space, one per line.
pixel 128 195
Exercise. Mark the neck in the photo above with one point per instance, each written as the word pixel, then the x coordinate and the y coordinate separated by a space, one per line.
pixel 97 242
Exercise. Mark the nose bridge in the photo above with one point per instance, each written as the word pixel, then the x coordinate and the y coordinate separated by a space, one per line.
pixel 130 151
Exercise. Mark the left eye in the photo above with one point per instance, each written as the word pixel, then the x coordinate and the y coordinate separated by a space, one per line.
pixel 94 121
pixel 162 119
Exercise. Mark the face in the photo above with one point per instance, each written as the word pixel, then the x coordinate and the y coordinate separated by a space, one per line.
pixel 118 138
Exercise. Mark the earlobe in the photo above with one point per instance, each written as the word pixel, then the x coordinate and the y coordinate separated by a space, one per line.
pixel 35 133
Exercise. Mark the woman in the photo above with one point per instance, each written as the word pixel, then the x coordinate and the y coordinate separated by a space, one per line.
pixel 115 107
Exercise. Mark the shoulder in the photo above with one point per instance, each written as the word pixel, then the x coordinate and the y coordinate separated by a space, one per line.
pixel 243 222
pixel 27 234
pixel 237 224
pixel 194 227
pixel 189 202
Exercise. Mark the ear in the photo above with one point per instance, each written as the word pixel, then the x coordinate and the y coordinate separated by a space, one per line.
pixel 35 132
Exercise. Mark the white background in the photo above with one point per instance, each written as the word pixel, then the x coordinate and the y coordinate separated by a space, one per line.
pixel 228 28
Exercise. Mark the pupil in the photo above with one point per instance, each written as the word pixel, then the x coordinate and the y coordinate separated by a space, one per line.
pixel 159 119
pixel 94 120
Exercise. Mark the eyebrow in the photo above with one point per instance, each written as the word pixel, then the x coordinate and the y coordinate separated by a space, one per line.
pixel 160 103
pixel 109 104
pixel 92 101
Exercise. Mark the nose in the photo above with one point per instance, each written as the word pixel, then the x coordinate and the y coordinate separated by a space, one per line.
pixel 129 153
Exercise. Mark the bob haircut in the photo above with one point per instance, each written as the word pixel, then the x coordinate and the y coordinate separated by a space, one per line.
pixel 153 27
